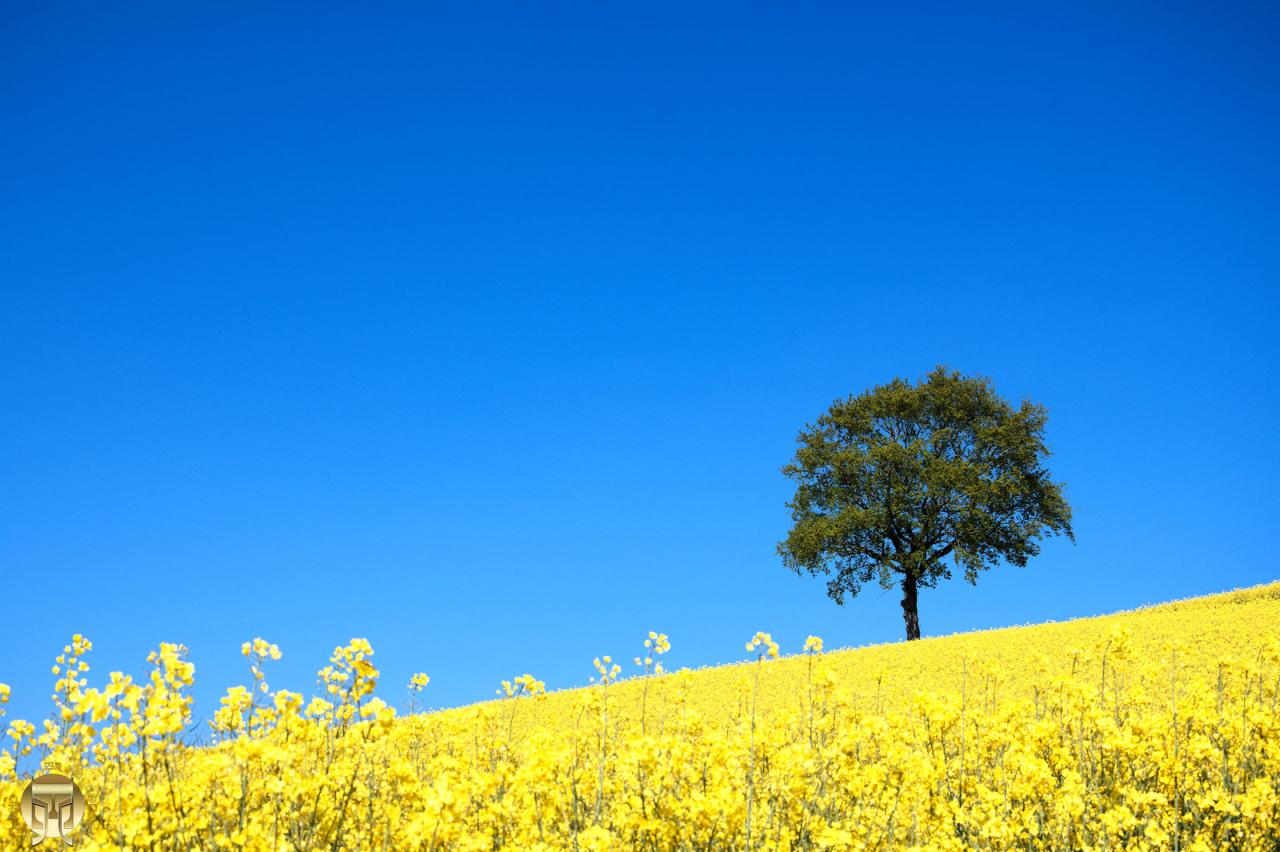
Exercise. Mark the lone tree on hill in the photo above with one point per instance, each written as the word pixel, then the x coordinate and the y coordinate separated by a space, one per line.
pixel 891 483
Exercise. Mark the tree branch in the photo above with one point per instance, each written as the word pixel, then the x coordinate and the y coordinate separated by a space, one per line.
pixel 934 557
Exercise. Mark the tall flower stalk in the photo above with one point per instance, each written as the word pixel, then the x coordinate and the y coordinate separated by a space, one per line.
pixel 763 646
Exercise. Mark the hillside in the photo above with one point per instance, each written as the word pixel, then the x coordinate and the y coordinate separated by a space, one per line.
pixel 1202 630
pixel 1152 729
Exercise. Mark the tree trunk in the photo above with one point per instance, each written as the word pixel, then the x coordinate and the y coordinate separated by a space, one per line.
pixel 909 612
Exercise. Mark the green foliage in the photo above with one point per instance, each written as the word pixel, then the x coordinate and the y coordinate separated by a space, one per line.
pixel 904 482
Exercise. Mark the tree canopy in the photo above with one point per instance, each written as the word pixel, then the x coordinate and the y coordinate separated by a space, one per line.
pixel 906 481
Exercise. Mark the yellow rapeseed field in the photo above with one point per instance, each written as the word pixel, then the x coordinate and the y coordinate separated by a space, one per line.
pixel 1153 729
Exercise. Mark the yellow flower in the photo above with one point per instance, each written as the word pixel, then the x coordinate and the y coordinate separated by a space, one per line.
pixel 1051 747
pixel 287 702
pixel 765 642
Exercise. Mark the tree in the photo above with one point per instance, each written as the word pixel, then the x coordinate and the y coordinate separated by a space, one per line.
pixel 891 483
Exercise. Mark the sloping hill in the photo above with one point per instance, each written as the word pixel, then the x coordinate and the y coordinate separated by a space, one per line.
pixel 1153 729
pixel 1199 632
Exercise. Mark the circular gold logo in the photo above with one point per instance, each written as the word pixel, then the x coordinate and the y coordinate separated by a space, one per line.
pixel 53 807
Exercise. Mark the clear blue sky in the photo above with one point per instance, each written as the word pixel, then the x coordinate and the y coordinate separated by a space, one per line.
pixel 482 332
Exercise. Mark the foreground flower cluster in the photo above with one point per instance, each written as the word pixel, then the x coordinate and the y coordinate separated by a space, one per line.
pixel 1156 729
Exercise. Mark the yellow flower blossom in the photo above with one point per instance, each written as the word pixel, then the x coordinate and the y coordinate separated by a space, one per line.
pixel 1149 730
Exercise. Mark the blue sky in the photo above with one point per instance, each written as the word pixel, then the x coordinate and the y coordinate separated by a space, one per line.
pixel 483 332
